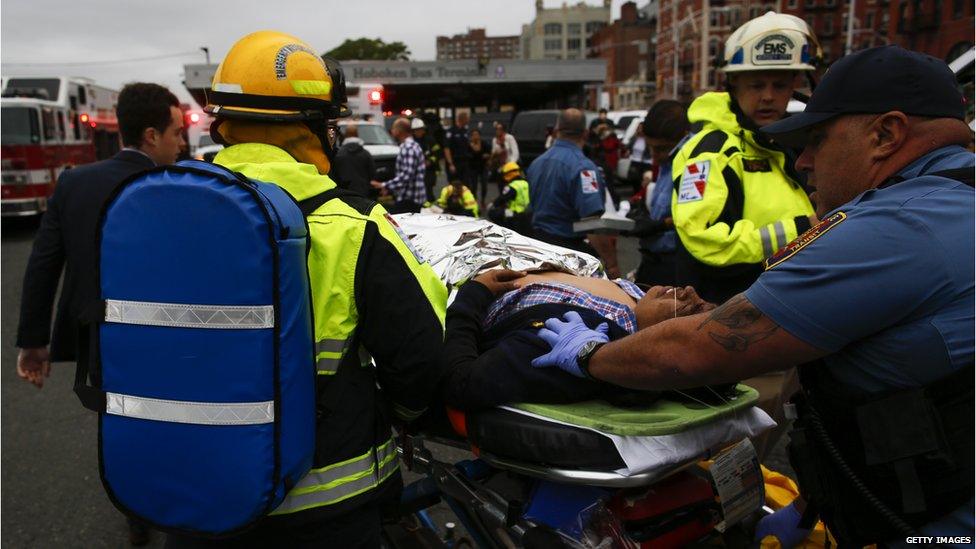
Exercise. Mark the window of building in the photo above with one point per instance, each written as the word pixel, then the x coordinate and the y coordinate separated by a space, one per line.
pixel 573 43
pixel 811 21
pixel 552 44
pixel 809 3
pixel 737 16
pixel 958 8
pixel 711 78
pixel 885 18
pixel 574 29
pixel 869 20
pixel 593 26
pixel 553 28
pixel 754 11
pixel 714 19
pixel 843 22
pixel 828 26
pixel 713 46
pixel 792 4
pixel 830 3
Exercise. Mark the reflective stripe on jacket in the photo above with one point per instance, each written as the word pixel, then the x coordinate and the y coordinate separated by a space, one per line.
pixel 372 297
pixel 734 201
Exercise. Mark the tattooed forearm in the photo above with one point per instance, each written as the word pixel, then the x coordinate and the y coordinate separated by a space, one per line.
pixel 741 325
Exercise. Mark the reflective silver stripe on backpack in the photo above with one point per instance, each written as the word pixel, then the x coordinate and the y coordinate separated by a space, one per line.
pixel 181 315
pixel 199 413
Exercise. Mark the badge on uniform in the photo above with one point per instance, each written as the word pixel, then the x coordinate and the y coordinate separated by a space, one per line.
pixel 589 182
pixel 804 240
pixel 693 181
pixel 405 239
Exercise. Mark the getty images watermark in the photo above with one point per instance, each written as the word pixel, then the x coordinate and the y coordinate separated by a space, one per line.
pixel 940 539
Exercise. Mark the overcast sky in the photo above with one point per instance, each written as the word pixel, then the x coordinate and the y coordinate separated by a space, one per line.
pixel 37 37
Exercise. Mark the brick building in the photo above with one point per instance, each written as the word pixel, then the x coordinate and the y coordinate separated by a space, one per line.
pixel 627 46
pixel 475 44
pixel 691 33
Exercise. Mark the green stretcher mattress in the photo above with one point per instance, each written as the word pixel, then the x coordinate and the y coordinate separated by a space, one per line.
pixel 565 435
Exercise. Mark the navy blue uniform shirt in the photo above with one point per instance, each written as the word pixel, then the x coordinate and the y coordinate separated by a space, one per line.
pixel 564 186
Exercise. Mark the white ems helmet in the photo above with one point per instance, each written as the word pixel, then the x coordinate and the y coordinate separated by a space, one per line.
pixel 771 42
pixel 417 124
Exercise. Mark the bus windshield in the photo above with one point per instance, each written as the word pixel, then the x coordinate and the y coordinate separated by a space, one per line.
pixel 19 126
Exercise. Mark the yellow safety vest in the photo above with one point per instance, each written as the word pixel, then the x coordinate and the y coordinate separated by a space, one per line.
pixel 468 201
pixel 521 201
pixel 336 230
pixel 734 201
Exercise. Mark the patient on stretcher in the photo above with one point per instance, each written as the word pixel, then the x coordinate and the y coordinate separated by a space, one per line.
pixel 491 335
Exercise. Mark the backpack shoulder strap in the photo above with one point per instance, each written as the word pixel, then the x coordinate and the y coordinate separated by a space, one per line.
pixel 313 203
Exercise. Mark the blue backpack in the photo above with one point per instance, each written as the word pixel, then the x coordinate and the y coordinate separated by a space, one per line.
pixel 201 359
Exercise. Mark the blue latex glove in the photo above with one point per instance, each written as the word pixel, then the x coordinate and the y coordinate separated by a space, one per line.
pixel 784 525
pixel 566 339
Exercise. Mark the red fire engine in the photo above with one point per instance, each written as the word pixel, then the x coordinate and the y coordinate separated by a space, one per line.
pixel 49 125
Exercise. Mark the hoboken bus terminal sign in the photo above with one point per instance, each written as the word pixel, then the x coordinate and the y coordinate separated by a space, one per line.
pixel 510 71
pixel 474 71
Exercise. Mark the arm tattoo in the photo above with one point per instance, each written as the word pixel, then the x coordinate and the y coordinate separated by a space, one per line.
pixel 744 324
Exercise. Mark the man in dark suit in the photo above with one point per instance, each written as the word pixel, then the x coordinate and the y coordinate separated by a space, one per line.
pixel 150 123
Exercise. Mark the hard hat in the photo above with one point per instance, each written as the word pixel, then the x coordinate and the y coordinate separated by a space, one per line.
pixel 417 124
pixel 770 42
pixel 275 77
pixel 510 170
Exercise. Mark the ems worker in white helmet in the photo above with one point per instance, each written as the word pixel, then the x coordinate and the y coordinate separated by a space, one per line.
pixel 737 197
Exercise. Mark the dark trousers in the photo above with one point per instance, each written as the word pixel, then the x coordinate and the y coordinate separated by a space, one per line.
pixel 478 182
pixel 656 269
pixel 357 529
pixel 430 179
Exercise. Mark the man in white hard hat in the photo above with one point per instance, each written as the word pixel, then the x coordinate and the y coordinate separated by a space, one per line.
pixel 738 198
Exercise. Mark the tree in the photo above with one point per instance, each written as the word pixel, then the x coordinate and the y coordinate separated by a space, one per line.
pixel 370 49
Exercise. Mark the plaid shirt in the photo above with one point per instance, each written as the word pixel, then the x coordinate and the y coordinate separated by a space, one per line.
pixel 408 184
pixel 555 292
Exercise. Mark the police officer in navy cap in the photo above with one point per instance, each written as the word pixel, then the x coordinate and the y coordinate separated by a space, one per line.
pixel 875 304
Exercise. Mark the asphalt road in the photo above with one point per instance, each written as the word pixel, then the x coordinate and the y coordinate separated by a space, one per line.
pixel 51 492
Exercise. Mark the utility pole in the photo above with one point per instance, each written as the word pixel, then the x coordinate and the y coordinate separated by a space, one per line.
pixel 674 35
pixel 705 62
pixel 850 27
pixel 206 52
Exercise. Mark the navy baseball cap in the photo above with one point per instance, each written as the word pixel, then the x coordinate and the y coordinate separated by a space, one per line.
pixel 876 81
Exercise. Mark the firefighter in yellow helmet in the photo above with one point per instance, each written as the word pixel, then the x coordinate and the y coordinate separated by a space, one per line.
pixel 738 198
pixel 373 295
pixel 511 208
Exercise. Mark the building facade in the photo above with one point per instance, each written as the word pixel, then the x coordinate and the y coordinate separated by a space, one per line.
pixel 627 46
pixel 475 44
pixel 563 32
pixel 691 34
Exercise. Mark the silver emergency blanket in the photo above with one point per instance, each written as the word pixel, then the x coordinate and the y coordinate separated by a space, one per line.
pixel 459 248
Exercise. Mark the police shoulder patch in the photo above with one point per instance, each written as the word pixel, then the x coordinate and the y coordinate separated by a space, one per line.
pixel 588 182
pixel 804 240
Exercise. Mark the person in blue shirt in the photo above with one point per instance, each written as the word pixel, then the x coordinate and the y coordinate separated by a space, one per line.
pixel 666 127
pixel 875 304
pixel 565 186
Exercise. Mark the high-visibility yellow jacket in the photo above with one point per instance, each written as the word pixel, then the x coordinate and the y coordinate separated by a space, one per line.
pixel 467 203
pixel 736 201
pixel 372 295
pixel 520 202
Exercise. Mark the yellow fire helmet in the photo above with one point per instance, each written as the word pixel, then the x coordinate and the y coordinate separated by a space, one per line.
pixel 274 77
pixel 510 170
pixel 771 42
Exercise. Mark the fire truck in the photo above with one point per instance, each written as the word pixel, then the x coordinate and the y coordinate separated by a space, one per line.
pixel 49 125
